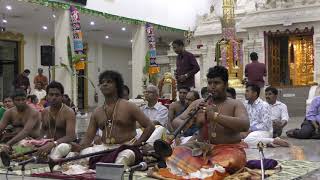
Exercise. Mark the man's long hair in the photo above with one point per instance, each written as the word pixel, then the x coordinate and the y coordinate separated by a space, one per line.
pixel 114 76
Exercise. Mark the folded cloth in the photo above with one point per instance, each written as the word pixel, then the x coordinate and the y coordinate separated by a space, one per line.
pixel 34 142
pixel 267 164
pixel 189 159
pixel 112 156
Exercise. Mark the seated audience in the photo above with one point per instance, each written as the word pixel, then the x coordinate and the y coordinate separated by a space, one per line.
pixel 204 92
pixel 191 96
pixel 260 120
pixel 154 110
pixel 310 126
pixel 231 93
pixel 126 92
pixel 7 104
pixel 67 101
pixel 176 108
pixel 39 91
pixel 279 111
pixel 33 101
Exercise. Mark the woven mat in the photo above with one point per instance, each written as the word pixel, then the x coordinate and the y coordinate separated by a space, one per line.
pixel 291 169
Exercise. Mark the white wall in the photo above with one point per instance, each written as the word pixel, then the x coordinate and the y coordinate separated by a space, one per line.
pixel 173 13
pixel 32 57
pixel 103 57
pixel 117 59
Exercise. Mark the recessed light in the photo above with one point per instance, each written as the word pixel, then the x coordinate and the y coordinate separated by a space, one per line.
pixel 123 29
pixel 44 27
pixel 107 37
pixel 131 40
pixel 53 15
pixel 4 21
pixel 92 23
pixel 9 7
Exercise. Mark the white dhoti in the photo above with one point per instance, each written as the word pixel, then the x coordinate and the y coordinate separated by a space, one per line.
pixel 255 137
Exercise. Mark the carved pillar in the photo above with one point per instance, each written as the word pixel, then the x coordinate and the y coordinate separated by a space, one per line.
pixel 316 40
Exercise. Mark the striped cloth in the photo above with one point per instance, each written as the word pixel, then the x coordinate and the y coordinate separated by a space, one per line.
pixel 191 158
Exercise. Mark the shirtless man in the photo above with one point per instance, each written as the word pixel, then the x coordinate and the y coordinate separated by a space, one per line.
pixel 117 117
pixel 25 121
pixel 176 108
pixel 58 120
pixel 221 120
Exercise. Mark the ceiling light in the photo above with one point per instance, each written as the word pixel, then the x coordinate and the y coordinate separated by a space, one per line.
pixel 123 29
pixel 131 40
pixel 92 23
pixel 53 15
pixel 4 21
pixel 107 37
pixel 44 27
pixel 9 7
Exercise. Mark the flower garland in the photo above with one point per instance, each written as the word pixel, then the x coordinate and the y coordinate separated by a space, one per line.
pixel 81 9
pixel 154 67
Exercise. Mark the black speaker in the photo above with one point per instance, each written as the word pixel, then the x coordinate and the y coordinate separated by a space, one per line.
pixel 47 55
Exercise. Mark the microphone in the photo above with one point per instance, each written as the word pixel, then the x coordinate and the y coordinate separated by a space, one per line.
pixel 141 166
pixel 23 163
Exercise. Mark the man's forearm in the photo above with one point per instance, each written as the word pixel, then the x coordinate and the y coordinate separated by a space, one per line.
pixel 146 134
pixel 66 139
pixel 17 138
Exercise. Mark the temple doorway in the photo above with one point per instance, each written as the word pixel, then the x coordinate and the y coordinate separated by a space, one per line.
pixel 290 57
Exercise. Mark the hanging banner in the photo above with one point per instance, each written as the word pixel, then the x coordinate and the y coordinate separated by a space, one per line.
pixel 153 67
pixel 77 36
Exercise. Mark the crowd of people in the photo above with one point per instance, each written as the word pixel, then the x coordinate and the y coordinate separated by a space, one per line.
pixel 217 133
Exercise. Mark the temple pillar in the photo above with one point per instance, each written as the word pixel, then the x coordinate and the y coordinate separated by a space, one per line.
pixel 139 51
pixel 62 30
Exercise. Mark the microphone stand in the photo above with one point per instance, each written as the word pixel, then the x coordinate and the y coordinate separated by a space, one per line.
pixel 260 146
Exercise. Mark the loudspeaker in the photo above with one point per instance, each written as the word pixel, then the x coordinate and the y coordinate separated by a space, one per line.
pixel 47 55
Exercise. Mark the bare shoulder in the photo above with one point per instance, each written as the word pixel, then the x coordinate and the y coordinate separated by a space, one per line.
pixel 234 102
pixel 173 105
pixel 128 104
pixel 68 110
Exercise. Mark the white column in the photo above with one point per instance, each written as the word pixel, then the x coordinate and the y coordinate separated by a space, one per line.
pixel 316 46
pixel 62 30
pixel 139 50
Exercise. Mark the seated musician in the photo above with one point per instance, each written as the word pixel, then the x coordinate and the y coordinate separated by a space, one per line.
pixel 58 122
pixel 23 119
pixel 221 120
pixel 117 119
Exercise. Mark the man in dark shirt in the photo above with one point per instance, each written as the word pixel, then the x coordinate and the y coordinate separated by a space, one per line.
pixel 187 65
pixel 22 81
pixel 255 71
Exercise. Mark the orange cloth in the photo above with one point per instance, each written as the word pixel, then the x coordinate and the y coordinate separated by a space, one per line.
pixel 231 156
pixel 41 78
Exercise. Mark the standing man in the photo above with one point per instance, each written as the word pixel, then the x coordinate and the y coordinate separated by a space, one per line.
pixel 260 120
pixel 41 78
pixel 279 111
pixel 22 81
pixel 187 65
pixel 255 71
pixel 176 108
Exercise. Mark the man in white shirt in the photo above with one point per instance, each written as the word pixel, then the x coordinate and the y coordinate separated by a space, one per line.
pixel 156 112
pixel 39 91
pixel 279 111
pixel 259 112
